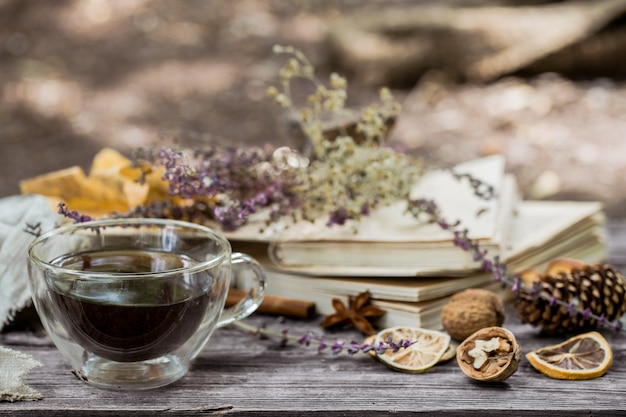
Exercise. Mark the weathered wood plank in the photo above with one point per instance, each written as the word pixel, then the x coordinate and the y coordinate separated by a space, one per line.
pixel 240 375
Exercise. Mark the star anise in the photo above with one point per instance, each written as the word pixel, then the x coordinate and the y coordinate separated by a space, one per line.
pixel 360 312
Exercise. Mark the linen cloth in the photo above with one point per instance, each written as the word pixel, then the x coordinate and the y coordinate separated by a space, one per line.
pixel 14 366
pixel 18 213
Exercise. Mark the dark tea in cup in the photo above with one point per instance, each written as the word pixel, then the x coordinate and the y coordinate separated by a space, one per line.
pixel 131 321
pixel 131 302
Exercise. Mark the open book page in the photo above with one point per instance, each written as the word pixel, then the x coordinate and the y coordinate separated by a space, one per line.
pixel 455 197
pixel 399 257
pixel 538 223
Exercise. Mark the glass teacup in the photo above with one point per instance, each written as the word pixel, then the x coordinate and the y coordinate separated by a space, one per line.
pixel 131 302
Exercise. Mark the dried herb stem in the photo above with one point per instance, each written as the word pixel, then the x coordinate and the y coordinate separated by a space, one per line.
pixel 335 348
pixel 498 269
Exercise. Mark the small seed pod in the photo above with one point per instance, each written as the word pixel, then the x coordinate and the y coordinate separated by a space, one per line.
pixel 489 355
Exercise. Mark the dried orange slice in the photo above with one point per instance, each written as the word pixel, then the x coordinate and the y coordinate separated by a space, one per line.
pixel 426 351
pixel 585 356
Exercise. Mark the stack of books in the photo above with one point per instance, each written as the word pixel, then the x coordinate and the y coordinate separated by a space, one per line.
pixel 411 268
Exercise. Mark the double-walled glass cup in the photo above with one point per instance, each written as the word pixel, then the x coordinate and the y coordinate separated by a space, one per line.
pixel 131 302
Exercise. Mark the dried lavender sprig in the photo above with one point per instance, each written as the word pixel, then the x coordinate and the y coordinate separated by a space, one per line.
pixel 234 181
pixel 335 348
pixel 482 189
pixel 72 214
pixel 493 265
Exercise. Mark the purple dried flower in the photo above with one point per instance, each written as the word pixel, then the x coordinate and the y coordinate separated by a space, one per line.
pixel 498 273
pixel 338 217
pixel 443 224
pixel 353 348
pixel 534 291
pixel 337 347
pixel 285 337
pixel 306 339
pixel 381 348
pixel 74 215
pixel 321 345
pixel 168 157
pixel 461 240
pixel 515 286
pixel 393 345
pixel 487 265
pixel 571 308
pixel 407 343
pixel 366 347
pixel 552 301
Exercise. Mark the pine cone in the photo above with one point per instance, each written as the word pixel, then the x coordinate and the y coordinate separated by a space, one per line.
pixel 599 289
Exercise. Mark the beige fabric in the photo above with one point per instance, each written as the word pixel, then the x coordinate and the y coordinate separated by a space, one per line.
pixel 16 213
pixel 14 366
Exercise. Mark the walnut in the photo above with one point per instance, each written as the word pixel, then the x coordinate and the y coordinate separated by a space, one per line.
pixel 490 355
pixel 471 310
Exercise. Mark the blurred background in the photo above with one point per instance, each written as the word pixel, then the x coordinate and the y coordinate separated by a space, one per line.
pixel 539 81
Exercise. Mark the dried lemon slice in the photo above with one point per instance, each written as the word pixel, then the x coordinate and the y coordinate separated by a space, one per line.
pixel 585 356
pixel 426 351
pixel 449 353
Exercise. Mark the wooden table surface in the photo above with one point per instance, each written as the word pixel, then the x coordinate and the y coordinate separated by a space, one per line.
pixel 240 375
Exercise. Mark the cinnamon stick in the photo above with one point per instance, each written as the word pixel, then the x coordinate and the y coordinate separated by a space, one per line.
pixel 275 305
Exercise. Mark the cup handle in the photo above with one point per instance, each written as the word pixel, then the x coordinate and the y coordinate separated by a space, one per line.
pixel 253 298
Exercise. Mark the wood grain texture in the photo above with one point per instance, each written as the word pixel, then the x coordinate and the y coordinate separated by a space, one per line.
pixel 240 375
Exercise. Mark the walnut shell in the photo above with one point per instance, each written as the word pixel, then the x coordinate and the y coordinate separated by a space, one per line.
pixel 471 310
pixel 489 355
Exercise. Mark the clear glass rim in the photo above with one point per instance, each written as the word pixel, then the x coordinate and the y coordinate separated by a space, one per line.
pixel 225 248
